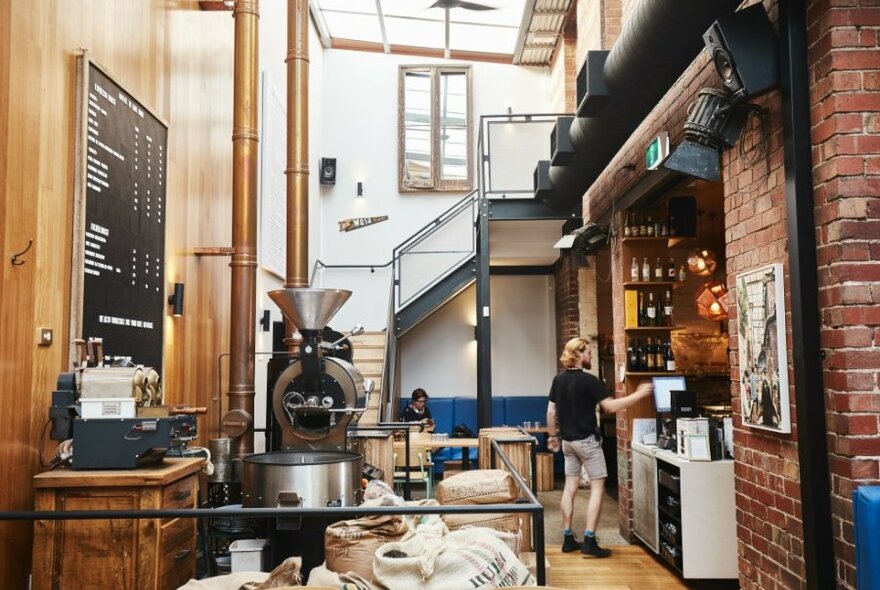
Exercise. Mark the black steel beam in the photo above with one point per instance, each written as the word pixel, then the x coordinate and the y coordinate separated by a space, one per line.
pixel 484 321
pixel 802 265
pixel 427 302
pixel 522 270
pixel 525 209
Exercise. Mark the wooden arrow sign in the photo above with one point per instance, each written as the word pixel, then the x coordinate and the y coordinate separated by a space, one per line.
pixel 359 222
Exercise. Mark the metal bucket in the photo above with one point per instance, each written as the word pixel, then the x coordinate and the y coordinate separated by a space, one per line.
pixel 318 478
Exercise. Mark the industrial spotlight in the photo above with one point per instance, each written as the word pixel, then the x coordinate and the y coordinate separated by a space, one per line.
pixel 745 53
pixel 590 238
pixel 175 300
pixel 713 124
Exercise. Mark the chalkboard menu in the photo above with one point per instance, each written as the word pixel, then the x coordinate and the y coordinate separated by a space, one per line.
pixel 119 247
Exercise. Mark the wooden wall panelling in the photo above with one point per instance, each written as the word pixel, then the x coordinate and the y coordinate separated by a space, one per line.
pixel 179 61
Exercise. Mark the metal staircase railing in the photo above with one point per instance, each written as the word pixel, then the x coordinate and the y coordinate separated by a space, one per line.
pixel 419 264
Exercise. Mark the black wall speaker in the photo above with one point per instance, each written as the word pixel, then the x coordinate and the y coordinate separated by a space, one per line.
pixel 682 219
pixel 328 170
pixel 745 51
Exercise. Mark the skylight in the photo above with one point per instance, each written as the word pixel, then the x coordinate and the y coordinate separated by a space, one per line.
pixel 413 26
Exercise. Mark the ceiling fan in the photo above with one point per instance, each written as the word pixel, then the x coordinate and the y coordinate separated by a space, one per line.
pixel 448 5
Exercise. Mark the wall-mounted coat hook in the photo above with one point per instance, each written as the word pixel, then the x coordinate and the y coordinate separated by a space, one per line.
pixel 15 260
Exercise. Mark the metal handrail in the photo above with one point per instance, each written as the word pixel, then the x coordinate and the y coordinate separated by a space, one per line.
pixel 533 506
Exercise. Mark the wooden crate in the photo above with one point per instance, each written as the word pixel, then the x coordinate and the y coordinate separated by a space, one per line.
pixel 377 447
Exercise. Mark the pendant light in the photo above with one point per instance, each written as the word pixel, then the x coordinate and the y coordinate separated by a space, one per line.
pixel 701 261
pixel 712 301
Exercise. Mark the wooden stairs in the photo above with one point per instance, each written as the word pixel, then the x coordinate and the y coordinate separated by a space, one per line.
pixel 369 356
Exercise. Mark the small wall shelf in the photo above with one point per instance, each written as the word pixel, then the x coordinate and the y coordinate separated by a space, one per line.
pixel 653 374
pixel 636 284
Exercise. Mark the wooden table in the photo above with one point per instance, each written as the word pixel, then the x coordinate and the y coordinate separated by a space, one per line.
pixel 450 443
pixel 122 553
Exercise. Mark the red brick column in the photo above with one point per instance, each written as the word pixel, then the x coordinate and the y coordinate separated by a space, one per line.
pixel 845 98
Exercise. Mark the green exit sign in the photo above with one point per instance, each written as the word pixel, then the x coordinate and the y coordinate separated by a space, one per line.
pixel 657 151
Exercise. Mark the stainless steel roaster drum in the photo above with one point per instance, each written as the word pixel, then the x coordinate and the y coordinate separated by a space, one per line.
pixel 318 478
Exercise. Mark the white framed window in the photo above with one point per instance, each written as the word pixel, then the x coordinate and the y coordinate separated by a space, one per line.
pixel 435 135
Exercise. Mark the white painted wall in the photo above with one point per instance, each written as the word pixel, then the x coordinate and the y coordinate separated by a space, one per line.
pixel 440 354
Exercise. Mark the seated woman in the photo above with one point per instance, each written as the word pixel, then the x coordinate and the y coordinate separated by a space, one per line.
pixel 417 410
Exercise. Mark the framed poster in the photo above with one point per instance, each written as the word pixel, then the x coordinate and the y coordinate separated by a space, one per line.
pixel 763 357
pixel 118 270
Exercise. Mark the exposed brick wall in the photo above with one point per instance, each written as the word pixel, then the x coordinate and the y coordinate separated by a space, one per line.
pixel 845 99
pixel 569 54
pixel 567 302
pixel 845 103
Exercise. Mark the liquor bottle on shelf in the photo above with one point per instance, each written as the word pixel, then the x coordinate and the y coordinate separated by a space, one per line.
pixel 643 229
pixel 670 357
pixel 658 230
pixel 642 312
pixel 627 227
pixel 658 270
pixel 640 356
pixel 667 309
pixel 682 273
pixel 659 356
pixel 646 270
pixel 649 356
pixel 632 359
pixel 670 270
pixel 664 231
pixel 649 226
pixel 634 270
pixel 651 311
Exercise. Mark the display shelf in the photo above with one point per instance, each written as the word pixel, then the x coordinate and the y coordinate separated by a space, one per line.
pixel 645 239
pixel 653 374
pixel 671 242
pixel 635 284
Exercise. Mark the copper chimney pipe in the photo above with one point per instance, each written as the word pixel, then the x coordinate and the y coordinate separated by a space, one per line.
pixel 238 422
pixel 297 145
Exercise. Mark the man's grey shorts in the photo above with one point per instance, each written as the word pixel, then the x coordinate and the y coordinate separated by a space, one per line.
pixel 588 452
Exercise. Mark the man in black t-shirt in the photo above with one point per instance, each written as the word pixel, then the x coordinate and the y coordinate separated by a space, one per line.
pixel 571 411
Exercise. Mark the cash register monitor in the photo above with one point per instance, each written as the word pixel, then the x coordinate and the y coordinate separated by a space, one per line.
pixel 663 388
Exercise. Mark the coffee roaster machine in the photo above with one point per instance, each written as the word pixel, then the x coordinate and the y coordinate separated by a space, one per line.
pixel 95 409
pixel 312 399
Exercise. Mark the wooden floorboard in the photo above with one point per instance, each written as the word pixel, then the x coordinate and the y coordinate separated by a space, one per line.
pixel 630 567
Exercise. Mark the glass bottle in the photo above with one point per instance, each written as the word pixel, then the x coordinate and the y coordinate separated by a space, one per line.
pixel 640 356
pixel 659 356
pixel 632 359
pixel 634 270
pixel 658 270
pixel 670 270
pixel 682 274
pixel 646 270
pixel 643 229
pixel 641 320
pixel 670 357
pixel 649 226
pixel 667 309
pixel 649 356
pixel 651 311
pixel 627 227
